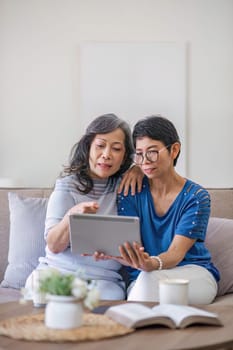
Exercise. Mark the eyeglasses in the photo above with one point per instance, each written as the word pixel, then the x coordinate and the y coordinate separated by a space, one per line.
pixel 151 155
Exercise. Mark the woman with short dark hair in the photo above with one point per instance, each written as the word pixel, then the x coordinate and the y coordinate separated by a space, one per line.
pixel 174 213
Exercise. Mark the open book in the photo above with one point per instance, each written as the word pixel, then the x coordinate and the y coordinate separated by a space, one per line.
pixel 135 315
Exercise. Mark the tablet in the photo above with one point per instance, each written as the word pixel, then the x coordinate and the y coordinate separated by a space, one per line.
pixel 103 233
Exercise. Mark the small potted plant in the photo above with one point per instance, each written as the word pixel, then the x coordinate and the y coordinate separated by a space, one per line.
pixel 67 295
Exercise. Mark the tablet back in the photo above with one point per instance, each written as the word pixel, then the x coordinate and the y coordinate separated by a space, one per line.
pixel 103 233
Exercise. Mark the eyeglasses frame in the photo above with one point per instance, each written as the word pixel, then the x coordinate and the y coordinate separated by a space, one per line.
pixel 145 155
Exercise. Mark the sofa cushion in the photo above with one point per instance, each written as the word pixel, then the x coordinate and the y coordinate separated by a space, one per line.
pixel 26 241
pixel 219 241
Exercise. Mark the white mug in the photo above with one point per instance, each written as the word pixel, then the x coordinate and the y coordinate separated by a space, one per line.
pixel 173 291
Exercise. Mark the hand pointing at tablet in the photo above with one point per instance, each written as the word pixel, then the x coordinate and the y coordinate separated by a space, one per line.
pixel 84 207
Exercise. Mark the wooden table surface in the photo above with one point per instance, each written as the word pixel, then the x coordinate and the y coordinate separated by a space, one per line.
pixel 156 338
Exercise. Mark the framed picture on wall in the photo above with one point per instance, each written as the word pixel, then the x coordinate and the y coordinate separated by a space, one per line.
pixel 134 80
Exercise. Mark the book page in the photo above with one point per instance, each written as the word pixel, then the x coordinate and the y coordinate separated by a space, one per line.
pixel 137 315
pixel 133 311
pixel 179 313
pixel 174 316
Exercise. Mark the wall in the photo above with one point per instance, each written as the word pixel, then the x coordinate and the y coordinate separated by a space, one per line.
pixel 40 91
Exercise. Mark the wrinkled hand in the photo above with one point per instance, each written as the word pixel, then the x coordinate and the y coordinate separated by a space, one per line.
pixel 132 178
pixel 84 207
pixel 131 255
pixel 135 256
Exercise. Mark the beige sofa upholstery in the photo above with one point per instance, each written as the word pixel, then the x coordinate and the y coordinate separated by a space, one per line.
pixel 222 207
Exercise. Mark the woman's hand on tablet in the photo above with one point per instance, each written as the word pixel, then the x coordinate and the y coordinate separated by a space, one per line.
pixel 131 255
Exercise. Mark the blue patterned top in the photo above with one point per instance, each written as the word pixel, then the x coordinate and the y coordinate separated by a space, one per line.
pixel 187 216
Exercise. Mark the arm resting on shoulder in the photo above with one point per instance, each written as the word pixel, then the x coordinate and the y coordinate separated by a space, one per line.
pixel 132 179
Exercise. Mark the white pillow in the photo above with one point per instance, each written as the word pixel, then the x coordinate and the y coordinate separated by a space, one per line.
pixel 26 241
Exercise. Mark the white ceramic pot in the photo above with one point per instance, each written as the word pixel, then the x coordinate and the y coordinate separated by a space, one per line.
pixel 63 312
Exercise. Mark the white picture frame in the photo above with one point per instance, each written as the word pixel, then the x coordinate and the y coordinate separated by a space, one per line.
pixel 134 80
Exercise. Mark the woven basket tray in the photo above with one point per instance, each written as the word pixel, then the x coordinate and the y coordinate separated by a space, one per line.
pixel 32 327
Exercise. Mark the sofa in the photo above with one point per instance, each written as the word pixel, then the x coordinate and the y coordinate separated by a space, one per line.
pixel 22 215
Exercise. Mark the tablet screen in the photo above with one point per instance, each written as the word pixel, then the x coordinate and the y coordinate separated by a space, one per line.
pixel 102 233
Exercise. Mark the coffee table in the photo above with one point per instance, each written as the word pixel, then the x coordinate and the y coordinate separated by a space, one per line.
pixel 194 337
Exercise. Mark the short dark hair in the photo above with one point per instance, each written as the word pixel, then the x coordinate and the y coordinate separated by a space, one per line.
pixel 79 156
pixel 157 128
